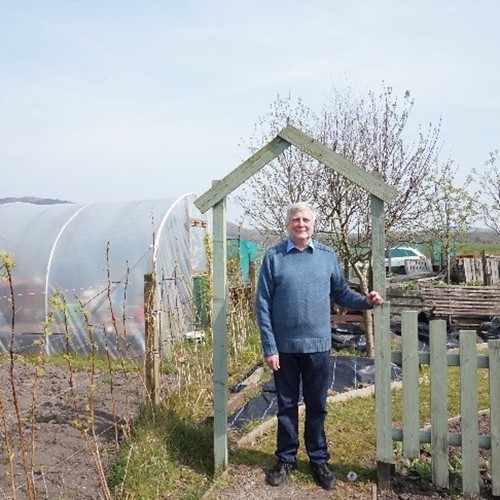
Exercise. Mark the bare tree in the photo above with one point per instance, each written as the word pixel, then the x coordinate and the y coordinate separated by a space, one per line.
pixel 450 211
pixel 372 132
pixel 489 181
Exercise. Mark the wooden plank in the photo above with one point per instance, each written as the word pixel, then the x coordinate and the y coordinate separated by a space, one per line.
pixel 383 476
pixel 424 358
pixel 439 400
pixel 220 336
pixel 382 334
pixel 383 400
pixel 454 438
pixel 462 302
pixel 494 351
pixel 411 400
pixel 378 245
pixel 469 426
pixel 240 174
pixel 404 299
pixel 494 269
pixel 400 293
pixel 367 180
pixel 468 270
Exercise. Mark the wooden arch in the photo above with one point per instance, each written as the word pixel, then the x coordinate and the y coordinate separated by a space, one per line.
pixel 215 198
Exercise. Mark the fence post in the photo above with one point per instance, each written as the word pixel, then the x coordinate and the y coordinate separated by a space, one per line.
pixel 439 403
pixel 383 396
pixel 220 335
pixel 494 362
pixel 151 341
pixel 469 427
pixel 411 401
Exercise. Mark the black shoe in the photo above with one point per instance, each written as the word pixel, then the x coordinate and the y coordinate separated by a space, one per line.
pixel 323 476
pixel 278 474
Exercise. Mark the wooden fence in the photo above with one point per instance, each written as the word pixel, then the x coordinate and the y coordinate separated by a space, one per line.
pixel 465 306
pixel 411 433
pixel 484 269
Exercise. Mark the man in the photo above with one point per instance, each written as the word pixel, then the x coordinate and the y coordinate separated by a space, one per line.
pixel 296 281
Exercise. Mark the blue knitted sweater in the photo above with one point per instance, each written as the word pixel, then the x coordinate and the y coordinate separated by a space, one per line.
pixel 293 298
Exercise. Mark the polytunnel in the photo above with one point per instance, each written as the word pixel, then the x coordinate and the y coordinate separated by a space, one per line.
pixel 93 258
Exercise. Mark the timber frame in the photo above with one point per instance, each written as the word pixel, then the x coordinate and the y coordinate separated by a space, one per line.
pixel 215 198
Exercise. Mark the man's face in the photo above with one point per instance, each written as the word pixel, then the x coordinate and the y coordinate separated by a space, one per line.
pixel 301 227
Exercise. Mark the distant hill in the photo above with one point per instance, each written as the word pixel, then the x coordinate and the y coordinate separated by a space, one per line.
pixel 236 231
pixel 33 200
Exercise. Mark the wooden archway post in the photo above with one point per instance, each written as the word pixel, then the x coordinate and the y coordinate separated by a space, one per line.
pixel 219 328
pixel 381 329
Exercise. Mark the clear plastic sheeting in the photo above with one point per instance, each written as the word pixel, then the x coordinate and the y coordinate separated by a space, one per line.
pixel 346 373
pixel 95 257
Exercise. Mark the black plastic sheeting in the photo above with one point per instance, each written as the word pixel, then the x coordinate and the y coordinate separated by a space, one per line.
pixel 452 333
pixel 350 372
pixel 347 373
pixel 348 335
pixel 490 330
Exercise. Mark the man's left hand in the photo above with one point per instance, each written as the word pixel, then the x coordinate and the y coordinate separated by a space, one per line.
pixel 374 299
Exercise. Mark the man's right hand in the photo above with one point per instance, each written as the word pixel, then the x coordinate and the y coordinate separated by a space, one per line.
pixel 273 362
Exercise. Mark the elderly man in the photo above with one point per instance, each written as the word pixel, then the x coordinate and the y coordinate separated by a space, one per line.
pixel 297 279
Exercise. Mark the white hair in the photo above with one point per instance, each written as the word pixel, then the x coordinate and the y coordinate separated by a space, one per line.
pixel 299 206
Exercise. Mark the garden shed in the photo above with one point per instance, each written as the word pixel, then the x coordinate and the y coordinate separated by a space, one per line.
pixel 94 258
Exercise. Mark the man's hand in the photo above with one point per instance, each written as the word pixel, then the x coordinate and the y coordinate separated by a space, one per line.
pixel 374 299
pixel 273 362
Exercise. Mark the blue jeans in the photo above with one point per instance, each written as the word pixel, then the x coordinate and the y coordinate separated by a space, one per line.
pixel 314 370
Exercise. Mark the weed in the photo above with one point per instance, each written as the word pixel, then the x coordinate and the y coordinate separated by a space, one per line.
pixel 474 283
pixel 422 467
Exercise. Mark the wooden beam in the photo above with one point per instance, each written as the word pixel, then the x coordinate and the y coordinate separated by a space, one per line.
pixel 220 336
pixel 240 174
pixel 349 170
pixel 383 395
pixel 378 245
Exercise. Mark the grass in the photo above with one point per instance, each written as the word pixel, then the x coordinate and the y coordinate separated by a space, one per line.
pixel 77 362
pixel 170 453
pixel 475 248
pixel 165 455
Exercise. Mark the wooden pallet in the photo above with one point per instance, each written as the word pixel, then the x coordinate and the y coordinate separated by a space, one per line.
pixel 462 301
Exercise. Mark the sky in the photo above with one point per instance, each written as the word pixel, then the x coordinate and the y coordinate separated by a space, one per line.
pixel 121 100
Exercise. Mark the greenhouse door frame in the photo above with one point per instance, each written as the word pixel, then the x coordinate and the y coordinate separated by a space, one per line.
pixel 215 198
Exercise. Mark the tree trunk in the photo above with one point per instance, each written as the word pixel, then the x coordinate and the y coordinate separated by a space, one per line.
pixel 370 344
pixel 367 315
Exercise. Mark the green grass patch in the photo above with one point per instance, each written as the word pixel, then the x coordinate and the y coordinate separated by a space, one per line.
pixel 351 429
pixel 165 455
pixel 170 451
pixel 475 248
pixel 77 362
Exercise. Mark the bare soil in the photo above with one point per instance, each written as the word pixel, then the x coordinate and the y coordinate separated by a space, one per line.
pixel 71 426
